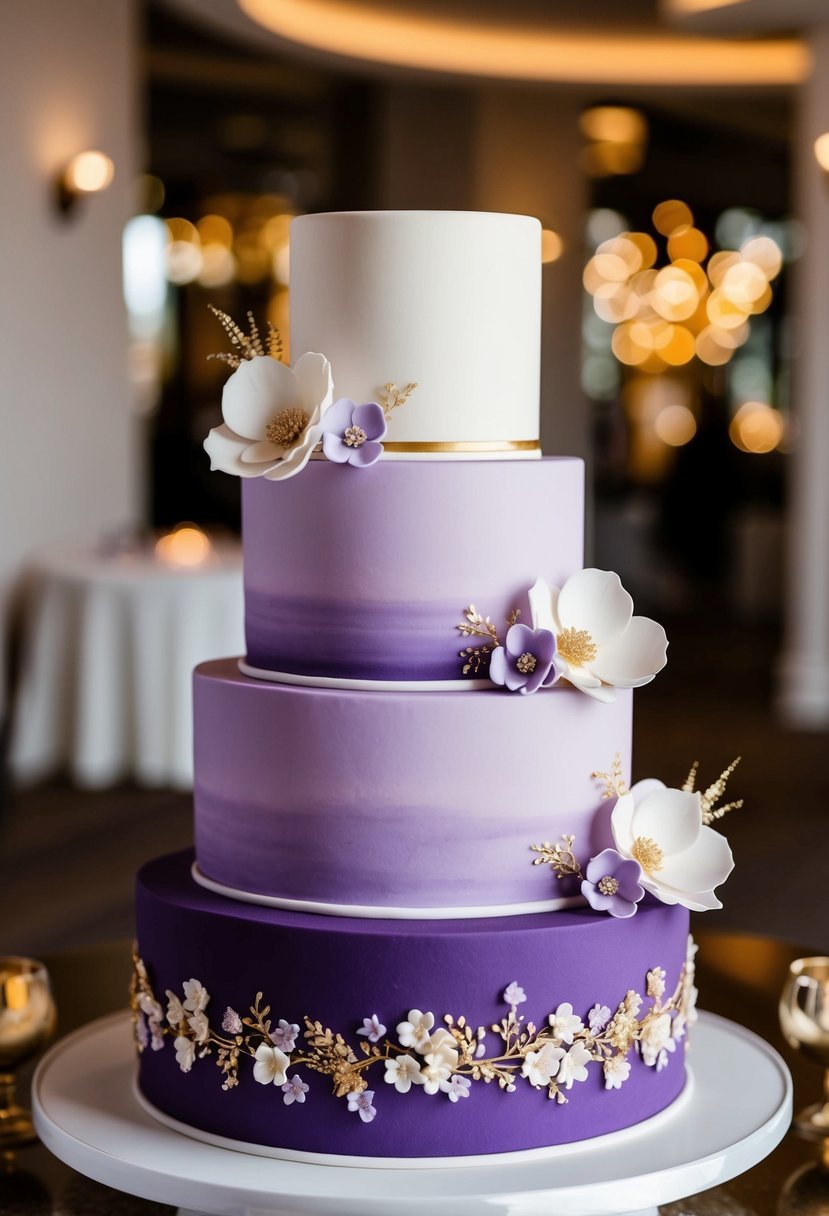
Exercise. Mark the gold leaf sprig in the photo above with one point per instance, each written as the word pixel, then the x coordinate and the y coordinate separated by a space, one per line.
pixel 560 857
pixel 479 626
pixel 333 1057
pixel 248 345
pixel 614 781
pixel 393 396
pixel 708 799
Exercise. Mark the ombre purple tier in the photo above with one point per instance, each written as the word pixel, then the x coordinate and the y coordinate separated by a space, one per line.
pixel 340 971
pixel 396 799
pixel 364 573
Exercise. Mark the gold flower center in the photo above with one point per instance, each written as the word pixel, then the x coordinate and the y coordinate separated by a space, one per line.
pixel 648 853
pixel 608 885
pixel 576 647
pixel 355 436
pixel 526 663
pixel 285 428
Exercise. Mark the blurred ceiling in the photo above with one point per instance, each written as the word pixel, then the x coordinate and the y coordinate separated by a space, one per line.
pixel 675 44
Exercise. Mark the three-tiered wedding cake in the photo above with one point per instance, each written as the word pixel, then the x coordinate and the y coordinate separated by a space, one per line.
pixel 423 901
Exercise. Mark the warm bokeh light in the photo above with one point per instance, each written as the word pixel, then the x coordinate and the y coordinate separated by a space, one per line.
pixel 184 262
pixel 671 215
pixel 675 425
pixel 614 124
pixel 765 253
pixel 688 242
pixel 218 266
pixel 88 172
pixel 186 545
pixel 822 151
pixel 552 246
pixel 215 230
pixel 757 428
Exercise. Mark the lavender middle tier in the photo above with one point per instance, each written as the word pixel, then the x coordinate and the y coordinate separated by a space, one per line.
pixel 364 573
pixel 397 804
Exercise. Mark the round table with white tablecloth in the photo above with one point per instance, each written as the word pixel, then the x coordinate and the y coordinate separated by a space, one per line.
pixel 110 643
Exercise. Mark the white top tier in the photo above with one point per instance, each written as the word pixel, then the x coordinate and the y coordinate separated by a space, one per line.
pixel 449 300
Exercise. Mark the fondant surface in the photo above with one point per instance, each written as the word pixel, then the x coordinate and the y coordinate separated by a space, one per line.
pixel 427 800
pixel 342 971
pixel 365 573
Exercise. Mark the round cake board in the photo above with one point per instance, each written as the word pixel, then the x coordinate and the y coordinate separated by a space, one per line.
pixel 735 1111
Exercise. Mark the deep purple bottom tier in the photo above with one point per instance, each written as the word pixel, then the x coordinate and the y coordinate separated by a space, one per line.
pixel 339 972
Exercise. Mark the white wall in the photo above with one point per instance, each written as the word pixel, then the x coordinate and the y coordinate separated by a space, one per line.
pixel 70 449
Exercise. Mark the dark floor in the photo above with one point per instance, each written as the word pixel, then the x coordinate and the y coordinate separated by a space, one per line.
pixel 68 858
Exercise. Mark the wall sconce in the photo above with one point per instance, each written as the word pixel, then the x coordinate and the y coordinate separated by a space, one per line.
pixel 86 173
pixel 821 149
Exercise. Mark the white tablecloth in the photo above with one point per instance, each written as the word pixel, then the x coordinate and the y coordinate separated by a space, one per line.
pixel 110 646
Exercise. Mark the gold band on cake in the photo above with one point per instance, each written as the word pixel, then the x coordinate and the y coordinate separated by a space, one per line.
pixel 485 445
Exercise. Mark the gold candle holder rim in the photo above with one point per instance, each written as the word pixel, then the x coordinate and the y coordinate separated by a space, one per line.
pixel 800 966
pixel 33 964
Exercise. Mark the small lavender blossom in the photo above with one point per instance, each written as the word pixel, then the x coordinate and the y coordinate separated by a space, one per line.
pixel 373 1029
pixel 456 1087
pixel 141 1031
pixel 597 1018
pixel 362 1103
pixel 611 883
pixel 514 994
pixel 294 1089
pixel 231 1022
pixel 525 662
pixel 351 433
pixel 284 1036
pixel 156 1033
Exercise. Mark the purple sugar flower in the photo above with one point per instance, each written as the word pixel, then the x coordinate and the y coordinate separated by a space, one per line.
pixel 351 433
pixel 362 1103
pixel 611 883
pixel 525 662
pixel 294 1090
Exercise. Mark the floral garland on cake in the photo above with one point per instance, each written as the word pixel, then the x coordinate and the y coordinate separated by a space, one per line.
pixel 446 1059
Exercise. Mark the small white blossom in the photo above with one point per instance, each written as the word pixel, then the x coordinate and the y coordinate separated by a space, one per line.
pixel 662 1059
pixel 284 1035
pixel 565 1024
pixel 678 1027
pixel 142 1034
pixel 402 1072
pixel 573 1066
pixel 231 1022
pixel 514 994
pixel 373 1029
pixel 598 1017
pixel 156 1032
pixel 294 1090
pixel 362 1103
pixel 271 1064
pixel 175 1011
pixel 656 982
pixel 456 1087
pixel 200 1026
pixel 655 1036
pixel 616 1071
pixel 415 1031
pixel 185 1053
pixel 541 1066
pixel 150 1006
pixel 196 996
pixel 440 1060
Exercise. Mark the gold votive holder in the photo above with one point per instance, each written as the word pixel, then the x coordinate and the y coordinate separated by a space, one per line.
pixel 804 1020
pixel 27 1023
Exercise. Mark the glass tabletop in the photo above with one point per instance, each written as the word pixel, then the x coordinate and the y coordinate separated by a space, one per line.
pixel 739 976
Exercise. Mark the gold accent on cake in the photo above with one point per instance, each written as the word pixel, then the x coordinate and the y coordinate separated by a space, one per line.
pixel 608 885
pixel 709 798
pixel 479 626
pixel 526 663
pixel 285 429
pixel 576 647
pixel 648 853
pixel 474 446
pixel 248 345
pixel 354 437
pixel 559 857
pixel 614 781
pixel 392 395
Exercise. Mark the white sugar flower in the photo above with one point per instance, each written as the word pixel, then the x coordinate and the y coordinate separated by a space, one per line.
pixel 372 1028
pixel 272 417
pixel 456 1087
pixel 600 644
pixel 541 1066
pixel 196 996
pixel 682 859
pixel 440 1060
pixel 200 1026
pixel 616 1072
pixel 597 1018
pixel 185 1053
pixel 565 1024
pixel 175 1010
pixel 573 1066
pixel 402 1072
pixel 414 1032
pixel 514 994
pixel 655 1037
pixel 271 1065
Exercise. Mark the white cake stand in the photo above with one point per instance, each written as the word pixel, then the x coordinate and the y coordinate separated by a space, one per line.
pixel 737 1108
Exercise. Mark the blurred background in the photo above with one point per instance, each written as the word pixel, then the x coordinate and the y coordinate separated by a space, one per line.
pixel 154 153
